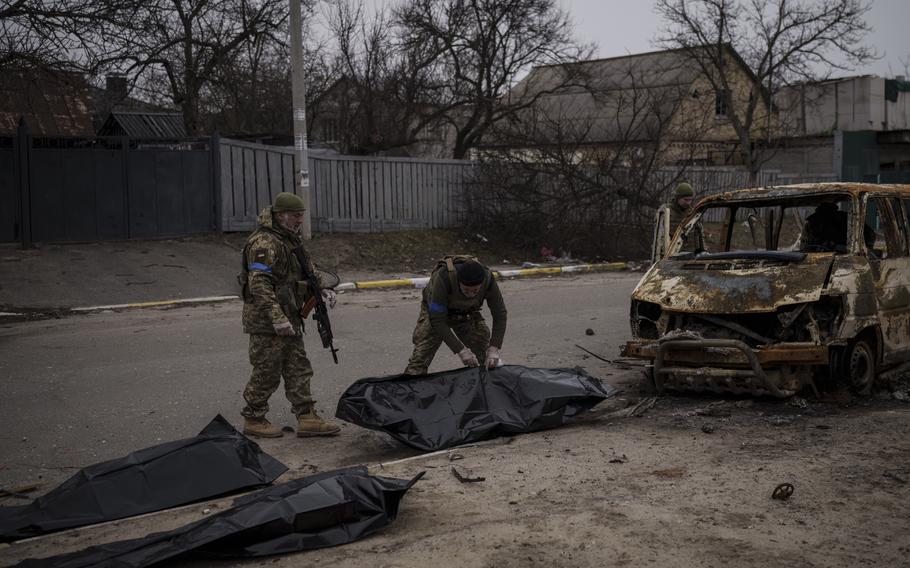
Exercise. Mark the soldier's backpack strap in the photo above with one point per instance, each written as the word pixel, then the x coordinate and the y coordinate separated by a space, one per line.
pixel 450 265
pixel 449 262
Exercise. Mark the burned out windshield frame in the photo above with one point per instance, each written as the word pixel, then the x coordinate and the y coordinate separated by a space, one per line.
pixel 777 210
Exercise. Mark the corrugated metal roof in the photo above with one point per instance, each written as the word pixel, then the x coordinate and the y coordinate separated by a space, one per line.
pixel 53 104
pixel 144 125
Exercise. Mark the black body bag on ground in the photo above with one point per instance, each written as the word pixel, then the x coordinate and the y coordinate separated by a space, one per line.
pixel 218 461
pixel 446 409
pixel 321 510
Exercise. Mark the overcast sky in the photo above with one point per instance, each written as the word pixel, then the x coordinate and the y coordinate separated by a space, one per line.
pixel 620 27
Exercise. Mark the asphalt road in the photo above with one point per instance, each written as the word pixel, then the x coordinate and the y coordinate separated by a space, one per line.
pixel 84 389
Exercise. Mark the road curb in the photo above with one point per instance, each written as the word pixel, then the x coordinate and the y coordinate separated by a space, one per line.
pixel 363 285
pixel 498 274
pixel 156 304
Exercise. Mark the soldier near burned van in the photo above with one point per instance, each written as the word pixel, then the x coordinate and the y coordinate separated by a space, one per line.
pixel 450 313
pixel 680 205
pixel 669 217
pixel 274 293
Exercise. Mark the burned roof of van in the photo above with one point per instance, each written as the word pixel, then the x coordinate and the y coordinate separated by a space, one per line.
pixel 797 190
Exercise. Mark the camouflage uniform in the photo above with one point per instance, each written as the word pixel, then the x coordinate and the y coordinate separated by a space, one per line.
pixel 673 213
pixel 273 292
pixel 676 214
pixel 447 315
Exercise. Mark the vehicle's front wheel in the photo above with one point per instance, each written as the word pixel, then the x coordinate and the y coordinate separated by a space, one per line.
pixel 859 366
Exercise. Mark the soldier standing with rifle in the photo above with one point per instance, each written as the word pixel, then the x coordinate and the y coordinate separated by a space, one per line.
pixel 280 285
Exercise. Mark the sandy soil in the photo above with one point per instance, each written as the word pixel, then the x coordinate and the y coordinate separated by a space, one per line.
pixel 687 483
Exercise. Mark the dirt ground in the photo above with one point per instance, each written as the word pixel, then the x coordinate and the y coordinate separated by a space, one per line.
pixel 687 482
pixel 407 252
pixel 52 278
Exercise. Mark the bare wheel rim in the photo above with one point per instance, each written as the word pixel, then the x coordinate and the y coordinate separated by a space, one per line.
pixel 861 367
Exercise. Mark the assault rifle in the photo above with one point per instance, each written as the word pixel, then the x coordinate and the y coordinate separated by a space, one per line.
pixel 321 312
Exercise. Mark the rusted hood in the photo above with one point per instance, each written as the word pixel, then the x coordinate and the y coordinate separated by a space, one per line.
pixel 730 286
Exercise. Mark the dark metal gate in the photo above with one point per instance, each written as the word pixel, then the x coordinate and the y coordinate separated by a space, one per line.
pixel 87 189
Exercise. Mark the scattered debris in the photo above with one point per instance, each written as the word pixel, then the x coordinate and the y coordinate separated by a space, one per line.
pixel 620 459
pixel 455 457
pixel 901 395
pixel 782 492
pixel 670 473
pixel 638 409
pixel 798 402
pixel 779 420
pixel 707 428
pixel 466 478
pixel 589 331
pixel 20 491
pixel 716 409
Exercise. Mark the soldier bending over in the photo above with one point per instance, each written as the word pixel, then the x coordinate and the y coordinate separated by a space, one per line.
pixel 450 313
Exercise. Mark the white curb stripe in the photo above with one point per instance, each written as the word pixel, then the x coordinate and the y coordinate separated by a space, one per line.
pixel 515 273
pixel 394 283
pixel 208 299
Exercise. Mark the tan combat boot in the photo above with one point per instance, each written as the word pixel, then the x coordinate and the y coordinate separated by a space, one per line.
pixel 261 428
pixel 311 424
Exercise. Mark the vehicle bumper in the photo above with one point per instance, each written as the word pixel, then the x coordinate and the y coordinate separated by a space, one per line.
pixel 728 365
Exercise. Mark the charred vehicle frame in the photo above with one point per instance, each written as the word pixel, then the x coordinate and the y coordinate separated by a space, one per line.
pixel 767 291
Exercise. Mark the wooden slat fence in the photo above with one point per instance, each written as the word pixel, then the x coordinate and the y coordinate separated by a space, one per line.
pixel 251 175
pixel 370 194
pixel 348 193
pixel 373 194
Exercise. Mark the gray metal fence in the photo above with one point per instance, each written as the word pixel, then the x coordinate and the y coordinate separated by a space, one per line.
pixel 349 193
pixel 55 189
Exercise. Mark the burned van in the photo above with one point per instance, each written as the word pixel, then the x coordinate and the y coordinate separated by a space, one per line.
pixel 772 290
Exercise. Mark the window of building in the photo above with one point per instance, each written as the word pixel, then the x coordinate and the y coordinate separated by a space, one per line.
pixel 720 102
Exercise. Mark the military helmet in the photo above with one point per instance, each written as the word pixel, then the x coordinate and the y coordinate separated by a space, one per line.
pixel 285 201
pixel 684 189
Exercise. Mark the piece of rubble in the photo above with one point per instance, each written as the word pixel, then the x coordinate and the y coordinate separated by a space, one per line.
pixel 716 409
pixel 798 402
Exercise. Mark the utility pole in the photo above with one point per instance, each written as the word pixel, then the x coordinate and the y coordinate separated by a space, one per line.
pixel 298 93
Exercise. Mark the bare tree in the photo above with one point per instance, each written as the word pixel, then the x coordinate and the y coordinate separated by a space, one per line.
pixel 582 172
pixel 780 42
pixel 58 35
pixel 368 109
pixel 173 48
pixel 480 47
pixel 249 94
